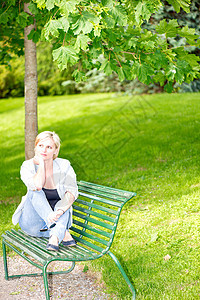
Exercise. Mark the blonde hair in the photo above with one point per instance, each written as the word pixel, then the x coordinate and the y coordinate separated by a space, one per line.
pixel 51 135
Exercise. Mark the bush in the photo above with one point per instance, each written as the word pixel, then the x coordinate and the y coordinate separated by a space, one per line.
pixel 12 79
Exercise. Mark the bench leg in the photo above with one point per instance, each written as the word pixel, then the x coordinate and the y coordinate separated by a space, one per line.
pixel 46 286
pixel 5 260
pixel 123 274
pixel 45 274
pixel 44 271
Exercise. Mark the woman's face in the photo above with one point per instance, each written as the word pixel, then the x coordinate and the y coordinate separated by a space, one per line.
pixel 46 149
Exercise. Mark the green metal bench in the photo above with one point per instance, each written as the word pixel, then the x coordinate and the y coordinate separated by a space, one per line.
pixel 95 217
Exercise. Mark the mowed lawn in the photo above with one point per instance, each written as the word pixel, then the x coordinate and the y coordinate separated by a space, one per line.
pixel 149 144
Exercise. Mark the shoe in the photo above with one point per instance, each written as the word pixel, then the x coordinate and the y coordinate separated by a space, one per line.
pixel 52 247
pixel 70 243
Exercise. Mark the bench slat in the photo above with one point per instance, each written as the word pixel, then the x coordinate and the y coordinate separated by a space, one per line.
pixel 78 252
pixel 24 248
pixel 105 189
pixel 94 221
pixel 98 231
pixel 32 240
pixel 90 236
pixel 82 250
pixel 63 253
pixel 25 240
pixel 87 243
pixel 102 200
pixel 38 244
pixel 96 206
pixel 101 193
pixel 93 213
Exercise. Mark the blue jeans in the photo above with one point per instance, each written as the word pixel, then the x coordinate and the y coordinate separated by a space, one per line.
pixel 34 217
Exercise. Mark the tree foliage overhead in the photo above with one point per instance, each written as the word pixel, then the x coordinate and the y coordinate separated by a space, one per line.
pixel 107 35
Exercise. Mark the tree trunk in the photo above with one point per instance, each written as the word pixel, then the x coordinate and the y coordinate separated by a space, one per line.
pixel 30 83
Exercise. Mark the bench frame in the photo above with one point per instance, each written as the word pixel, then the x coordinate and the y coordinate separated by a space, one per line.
pixel 34 251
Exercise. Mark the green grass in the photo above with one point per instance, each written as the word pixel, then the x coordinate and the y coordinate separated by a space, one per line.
pixel 147 144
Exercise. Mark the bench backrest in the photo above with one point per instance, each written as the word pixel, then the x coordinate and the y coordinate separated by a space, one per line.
pixel 95 215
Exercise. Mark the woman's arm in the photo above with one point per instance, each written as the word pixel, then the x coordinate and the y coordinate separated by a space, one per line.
pixel 71 194
pixel 61 207
pixel 39 177
pixel 66 202
pixel 69 200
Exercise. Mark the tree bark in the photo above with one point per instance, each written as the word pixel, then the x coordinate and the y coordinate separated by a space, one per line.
pixel 30 83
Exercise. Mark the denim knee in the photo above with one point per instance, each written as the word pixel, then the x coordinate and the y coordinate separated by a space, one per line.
pixel 36 195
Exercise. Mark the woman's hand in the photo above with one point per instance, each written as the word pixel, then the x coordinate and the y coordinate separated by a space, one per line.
pixel 55 215
pixel 39 177
pixel 37 160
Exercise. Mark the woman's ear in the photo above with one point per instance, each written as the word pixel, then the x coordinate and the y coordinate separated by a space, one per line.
pixel 56 153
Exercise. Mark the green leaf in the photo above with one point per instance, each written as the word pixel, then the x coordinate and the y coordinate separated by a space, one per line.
pixel 143 72
pixel 65 23
pixel 82 42
pixel 162 43
pixel 22 19
pixel 51 28
pixel 11 2
pixel 50 4
pixel 188 33
pixel 82 25
pixel 133 42
pixel 127 72
pixel 170 72
pixel 147 45
pixel 180 70
pixel 97 30
pixel 85 23
pixel 159 60
pixel 142 12
pixel 169 87
pixel 34 36
pixel 106 67
pixel 119 14
pixel 40 3
pixel 120 73
pixel 65 55
pixel 79 75
pixel 170 54
pixel 159 77
pixel 4 17
pixel 170 29
pixel 193 60
pixel 107 3
pixel 67 7
pixel 145 36
pixel 177 4
pixel 108 20
pixel 33 8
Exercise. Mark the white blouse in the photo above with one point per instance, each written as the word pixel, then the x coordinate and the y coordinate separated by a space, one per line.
pixel 64 179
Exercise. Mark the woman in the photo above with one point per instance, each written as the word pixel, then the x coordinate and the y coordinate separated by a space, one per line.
pixel 46 210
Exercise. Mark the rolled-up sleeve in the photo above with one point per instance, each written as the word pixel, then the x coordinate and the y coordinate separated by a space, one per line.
pixel 70 182
pixel 27 173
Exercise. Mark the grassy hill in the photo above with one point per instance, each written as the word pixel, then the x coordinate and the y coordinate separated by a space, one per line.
pixel 148 144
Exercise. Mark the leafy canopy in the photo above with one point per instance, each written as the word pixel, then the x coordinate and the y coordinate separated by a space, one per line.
pixel 107 35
